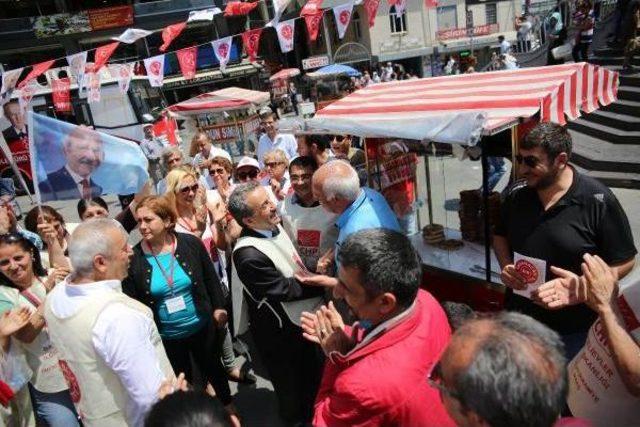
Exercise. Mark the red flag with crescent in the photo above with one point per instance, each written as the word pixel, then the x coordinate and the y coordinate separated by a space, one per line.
pixel 371 6
pixel 102 55
pixel 36 71
pixel 312 21
pixel 170 33
pixel 187 60
pixel 251 42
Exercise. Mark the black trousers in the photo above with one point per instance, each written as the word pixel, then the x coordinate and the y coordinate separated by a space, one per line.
pixel 204 347
pixel 294 366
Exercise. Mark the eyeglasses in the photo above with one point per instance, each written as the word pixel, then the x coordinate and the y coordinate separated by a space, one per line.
pixel 252 174
pixel 435 381
pixel 531 161
pixel 218 171
pixel 187 190
pixel 296 178
pixel 272 164
pixel 11 238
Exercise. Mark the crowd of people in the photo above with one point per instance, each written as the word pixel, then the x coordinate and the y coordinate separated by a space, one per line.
pixel 293 249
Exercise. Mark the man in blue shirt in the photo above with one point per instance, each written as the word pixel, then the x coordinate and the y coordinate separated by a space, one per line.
pixel 336 185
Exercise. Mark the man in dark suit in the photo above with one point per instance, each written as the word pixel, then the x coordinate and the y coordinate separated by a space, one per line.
pixel 264 262
pixel 17 132
pixel 84 154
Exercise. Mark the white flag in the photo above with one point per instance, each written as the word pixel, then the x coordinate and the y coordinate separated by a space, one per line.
pixel 279 7
pixel 123 73
pixel 10 79
pixel 77 64
pixel 131 35
pixel 285 30
pixel 93 87
pixel 203 15
pixel 222 50
pixel 155 70
pixel 342 15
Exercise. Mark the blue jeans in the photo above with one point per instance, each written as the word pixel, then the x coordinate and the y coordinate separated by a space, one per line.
pixel 55 409
pixel 496 170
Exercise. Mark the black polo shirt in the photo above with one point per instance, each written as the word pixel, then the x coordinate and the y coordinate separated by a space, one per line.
pixel 587 219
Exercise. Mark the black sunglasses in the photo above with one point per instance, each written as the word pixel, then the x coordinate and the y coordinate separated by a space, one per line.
pixel 244 175
pixel 193 188
pixel 531 161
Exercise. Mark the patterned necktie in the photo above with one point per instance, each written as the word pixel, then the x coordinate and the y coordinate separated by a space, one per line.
pixel 86 189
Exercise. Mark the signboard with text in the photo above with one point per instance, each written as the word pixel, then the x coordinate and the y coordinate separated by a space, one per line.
pixel 458 33
pixel 82 22
pixel 315 62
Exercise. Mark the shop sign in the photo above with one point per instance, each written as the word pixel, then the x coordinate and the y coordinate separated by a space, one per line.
pixel 315 62
pixel 215 76
pixel 85 21
pixel 458 33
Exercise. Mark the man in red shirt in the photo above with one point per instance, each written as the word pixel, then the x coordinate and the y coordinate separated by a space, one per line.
pixel 376 371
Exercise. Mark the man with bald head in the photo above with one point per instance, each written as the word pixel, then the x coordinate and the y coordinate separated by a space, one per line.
pixel 84 153
pixel 337 187
pixel 503 371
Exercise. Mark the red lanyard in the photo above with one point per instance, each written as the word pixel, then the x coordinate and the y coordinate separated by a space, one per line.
pixel 183 222
pixel 31 297
pixel 172 265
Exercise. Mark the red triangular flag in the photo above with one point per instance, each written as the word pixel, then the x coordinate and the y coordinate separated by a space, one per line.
pixel 102 55
pixel 251 41
pixel 187 60
pixel 36 71
pixel 312 20
pixel 431 3
pixel 170 33
pixel 239 8
pixel 371 6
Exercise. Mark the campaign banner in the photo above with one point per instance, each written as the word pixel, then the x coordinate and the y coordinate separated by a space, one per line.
pixel 60 24
pixel 73 162
pixel 169 33
pixel 371 6
pixel 187 60
pixel 155 70
pixel 203 15
pixel 312 21
pixel 102 55
pixel 26 93
pixel 222 50
pixel 77 64
pixel 93 87
pixel 124 73
pixel 251 42
pixel 36 70
pixel 131 35
pixel 285 30
pixel 10 79
pixel 110 17
pixel 342 15
pixel 61 92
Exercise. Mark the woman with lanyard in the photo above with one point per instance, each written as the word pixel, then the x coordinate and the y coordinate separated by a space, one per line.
pixel 25 283
pixel 173 275
pixel 188 198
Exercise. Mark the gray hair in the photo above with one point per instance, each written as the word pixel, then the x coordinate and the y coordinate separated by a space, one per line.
pixel 237 205
pixel 168 152
pixel 90 239
pixel 517 376
pixel 342 181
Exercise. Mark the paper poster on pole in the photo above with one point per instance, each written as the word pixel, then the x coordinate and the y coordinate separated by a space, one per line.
pixel 533 270
pixel 106 164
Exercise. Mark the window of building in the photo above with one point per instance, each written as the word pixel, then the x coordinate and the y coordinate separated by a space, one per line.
pixel 355 22
pixel 398 22
pixel 447 18
pixel 491 13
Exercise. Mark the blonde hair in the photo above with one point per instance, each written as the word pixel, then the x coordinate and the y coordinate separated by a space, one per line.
pixel 193 148
pixel 276 155
pixel 174 179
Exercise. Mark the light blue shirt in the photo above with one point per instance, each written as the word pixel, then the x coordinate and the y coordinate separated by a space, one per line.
pixel 369 210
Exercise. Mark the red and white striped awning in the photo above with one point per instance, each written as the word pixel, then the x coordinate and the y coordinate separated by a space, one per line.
pixel 287 73
pixel 227 99
pixel 457 109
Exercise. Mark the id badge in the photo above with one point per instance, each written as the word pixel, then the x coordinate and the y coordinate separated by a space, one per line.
pixel 175 304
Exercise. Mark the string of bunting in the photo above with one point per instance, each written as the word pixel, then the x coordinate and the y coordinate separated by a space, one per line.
pixel 88 76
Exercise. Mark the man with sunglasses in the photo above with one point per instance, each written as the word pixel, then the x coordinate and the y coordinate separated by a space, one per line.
pixel 503 371
pixel 273 139
pixel 558 216
pixel 247 170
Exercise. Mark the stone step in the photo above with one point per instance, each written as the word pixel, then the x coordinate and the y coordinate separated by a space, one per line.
pixel 606 133
pixel 613 179
pixel 630 93
pixel 624 106
pixel 614 120
pixel 598 155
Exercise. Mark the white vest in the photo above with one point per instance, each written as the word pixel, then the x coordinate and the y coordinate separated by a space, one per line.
pixel 312 230
pixel 283 254
pixel 97 391
pixel 596 390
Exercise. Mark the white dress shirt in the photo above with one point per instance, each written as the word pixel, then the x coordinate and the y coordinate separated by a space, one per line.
pixel 121 337
pixel 284 141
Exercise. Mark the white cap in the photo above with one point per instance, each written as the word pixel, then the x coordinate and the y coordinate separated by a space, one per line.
pixel 248 161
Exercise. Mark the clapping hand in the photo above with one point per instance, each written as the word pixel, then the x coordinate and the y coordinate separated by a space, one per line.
pixel 601 283
pixel 12 321
pixel 326 328
pixel 566 289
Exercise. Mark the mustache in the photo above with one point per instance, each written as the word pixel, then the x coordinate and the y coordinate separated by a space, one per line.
pixel 89 162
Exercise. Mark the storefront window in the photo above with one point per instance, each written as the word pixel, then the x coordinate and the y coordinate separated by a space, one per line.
pixel 397 21
pixel 447 18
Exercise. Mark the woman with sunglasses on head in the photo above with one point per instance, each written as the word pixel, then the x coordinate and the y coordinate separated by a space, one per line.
pixel 50 226
pixel 173 275
pixel 25 283
pixel 276 166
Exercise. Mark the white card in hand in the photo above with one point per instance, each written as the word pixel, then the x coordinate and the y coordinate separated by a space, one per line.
pixel 175 304
pixel 532 270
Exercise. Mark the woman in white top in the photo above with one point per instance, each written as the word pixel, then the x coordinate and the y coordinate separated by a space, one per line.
pixel 25 283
